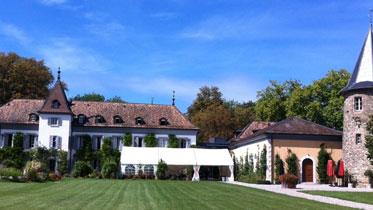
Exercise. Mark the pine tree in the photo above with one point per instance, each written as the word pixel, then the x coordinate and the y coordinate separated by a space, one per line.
pixel 323 158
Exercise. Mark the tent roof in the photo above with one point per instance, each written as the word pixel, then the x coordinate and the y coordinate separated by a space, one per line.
pixel 176 156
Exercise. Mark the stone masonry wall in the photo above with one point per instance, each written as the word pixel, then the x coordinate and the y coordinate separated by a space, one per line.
pixel 355 122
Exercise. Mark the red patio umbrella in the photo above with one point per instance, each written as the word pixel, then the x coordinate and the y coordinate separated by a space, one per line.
pixel 341 169
pixel 330 170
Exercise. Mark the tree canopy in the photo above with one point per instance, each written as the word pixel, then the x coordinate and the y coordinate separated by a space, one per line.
pixel 320 102
pixel 96 97
pixel 23 78
pixel 217 117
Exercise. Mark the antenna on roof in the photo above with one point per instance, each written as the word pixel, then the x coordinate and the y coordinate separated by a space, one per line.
pixel 173 98
pixel 59 74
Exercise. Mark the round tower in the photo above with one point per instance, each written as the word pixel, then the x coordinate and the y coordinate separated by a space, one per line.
pixel 358 107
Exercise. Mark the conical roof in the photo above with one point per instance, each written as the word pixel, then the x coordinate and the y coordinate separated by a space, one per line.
pixel 56 102
pixel 362 77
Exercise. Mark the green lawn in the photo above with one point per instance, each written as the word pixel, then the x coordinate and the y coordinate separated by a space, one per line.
pixel 361 197
pixel 143 194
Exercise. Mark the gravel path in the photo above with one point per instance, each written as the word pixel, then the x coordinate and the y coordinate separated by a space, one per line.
pixel 299 194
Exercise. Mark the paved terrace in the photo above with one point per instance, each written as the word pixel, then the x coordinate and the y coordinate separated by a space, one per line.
pixel 298 193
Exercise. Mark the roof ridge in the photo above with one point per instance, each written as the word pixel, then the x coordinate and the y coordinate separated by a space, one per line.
pixel 128 103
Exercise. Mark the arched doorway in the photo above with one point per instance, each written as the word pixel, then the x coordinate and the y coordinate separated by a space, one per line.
pixel 307 170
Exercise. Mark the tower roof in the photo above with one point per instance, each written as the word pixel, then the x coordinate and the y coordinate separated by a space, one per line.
pixel 362 77
pixel 56 102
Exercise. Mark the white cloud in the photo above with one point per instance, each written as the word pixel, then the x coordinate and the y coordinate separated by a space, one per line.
pixel 14 32
pixel 52 2
pixel 107 30
pixel 71 57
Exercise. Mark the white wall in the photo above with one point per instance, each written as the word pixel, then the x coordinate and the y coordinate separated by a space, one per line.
pixel 255 149
pixel 63 130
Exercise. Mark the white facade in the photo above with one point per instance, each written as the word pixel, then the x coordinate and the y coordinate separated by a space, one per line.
pixel 48 130
pixel 255 149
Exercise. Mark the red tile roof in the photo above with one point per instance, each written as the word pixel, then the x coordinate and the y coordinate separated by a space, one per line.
pixel 18 110
pixel 57 93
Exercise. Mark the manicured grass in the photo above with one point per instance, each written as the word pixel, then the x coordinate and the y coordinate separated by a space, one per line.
pixel 361 197
pixel 144 194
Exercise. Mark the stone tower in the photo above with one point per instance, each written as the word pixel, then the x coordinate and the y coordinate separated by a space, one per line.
pixel 358 106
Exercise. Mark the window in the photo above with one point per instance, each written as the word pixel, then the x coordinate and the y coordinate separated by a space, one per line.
pixel 358 138
pixel 138 141
pixel 56 104
pixel 184 143
pixel 162 142
pixel 148 170
pixel 81 119
pixel 116 142
pixel 99 119
pixel 54 121
pixel 358 103
pixel 163 121
pixel 31 141
pixel 55 142
pixel 97 142
pixel 129 170
pixel 117 119
pixel 33 117
pixel 140 121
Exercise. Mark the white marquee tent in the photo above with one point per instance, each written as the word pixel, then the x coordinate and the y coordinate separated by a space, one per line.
pixel 178 157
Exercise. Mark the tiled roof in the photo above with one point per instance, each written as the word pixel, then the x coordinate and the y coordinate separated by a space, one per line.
pixel 253 127
pixel 294 126
pixel 57 94
pixel 18 111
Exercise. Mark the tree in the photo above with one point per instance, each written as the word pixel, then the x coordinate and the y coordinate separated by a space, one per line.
pixel 23 78
pixel 116 99
pixel 173 141
pixel 150 140
pixel 206 97
pixel 161 169
pixel 214 121
pixel 127 140
pixel 292 163
pixel 263 163
pixel 242 113
pixel 271 105
pixel 322 163
pixel 279 167
pixel 89 97
pixel 85 152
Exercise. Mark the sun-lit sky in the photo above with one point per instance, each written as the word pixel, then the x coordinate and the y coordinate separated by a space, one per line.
pixel 143 49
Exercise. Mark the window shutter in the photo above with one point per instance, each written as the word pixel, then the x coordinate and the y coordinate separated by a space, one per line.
pixel 26 141
pixel 1 141
pixel 50 141
pixel 59 142
pixel 59 121
pixel 49 121
pixel 94 143
pixel 36 142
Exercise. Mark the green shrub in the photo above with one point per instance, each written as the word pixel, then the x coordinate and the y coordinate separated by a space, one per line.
pixel 173 142
pixel 81 169
pixel 263 163
pixel 109 170
pixel 150 140
pixel 127 140
pixel 161 169
pixel 10 172
pixel 85 152
pixel 62 162
pixel 322 163
pixel 18 140
pixel 279 168
pixel 292 163
pixel 95 174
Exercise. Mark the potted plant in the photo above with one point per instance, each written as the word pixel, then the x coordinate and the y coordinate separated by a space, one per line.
pixel 288 180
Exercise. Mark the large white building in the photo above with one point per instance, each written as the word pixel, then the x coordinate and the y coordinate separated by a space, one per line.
pixel 58 123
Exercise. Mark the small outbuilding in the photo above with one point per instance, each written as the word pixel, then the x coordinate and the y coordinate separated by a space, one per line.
pixel 292 135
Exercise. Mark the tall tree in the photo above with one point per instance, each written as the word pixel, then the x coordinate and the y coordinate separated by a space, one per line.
pixel 23 78
pixel 206 97
pixel 89 97
pixel 270 105
pixel 243 113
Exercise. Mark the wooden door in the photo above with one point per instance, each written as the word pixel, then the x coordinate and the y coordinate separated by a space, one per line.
pixel 307 170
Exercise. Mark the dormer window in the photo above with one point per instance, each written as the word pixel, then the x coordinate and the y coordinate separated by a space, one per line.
pixel 140 121
pixel 163 121
pixel 81 119
pixel 56 104
pixel 117 119
pixel 358 103
pixel 99 119
pixel 33 117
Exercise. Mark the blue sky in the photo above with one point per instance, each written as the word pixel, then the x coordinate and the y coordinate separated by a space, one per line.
pixel 143 49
